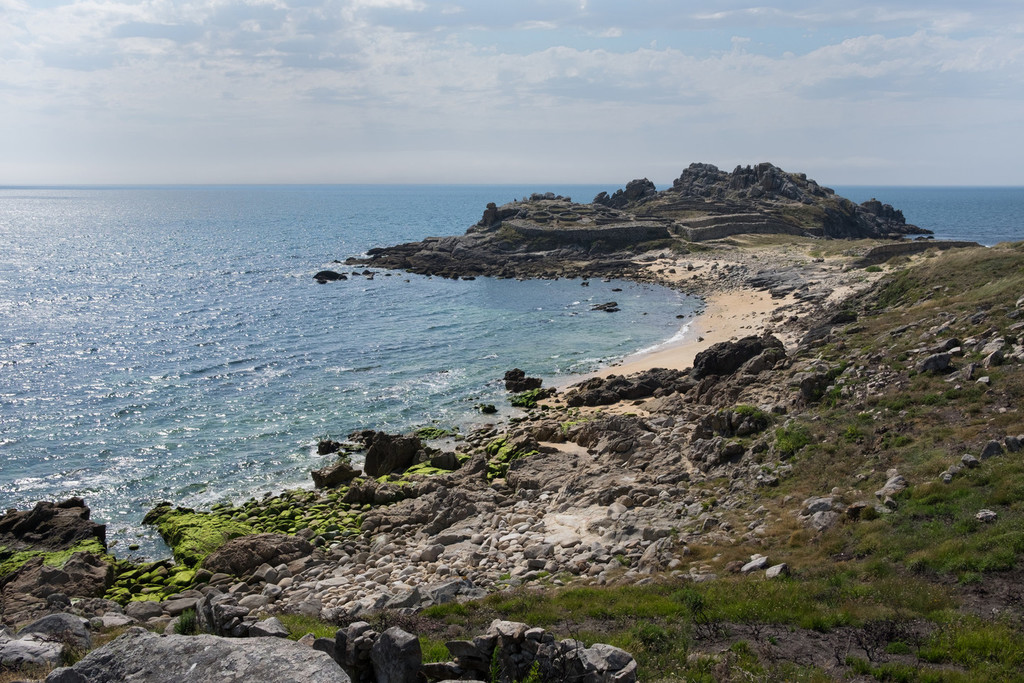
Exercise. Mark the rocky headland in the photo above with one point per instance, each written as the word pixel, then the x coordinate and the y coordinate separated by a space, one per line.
pixel 828 486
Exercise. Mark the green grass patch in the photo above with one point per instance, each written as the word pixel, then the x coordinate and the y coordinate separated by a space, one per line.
pixel 299 625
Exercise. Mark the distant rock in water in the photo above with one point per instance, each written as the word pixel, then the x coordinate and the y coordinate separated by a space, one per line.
pixel 328 276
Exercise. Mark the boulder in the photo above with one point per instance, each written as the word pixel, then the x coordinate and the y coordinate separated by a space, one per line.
pixel 18 653
pixel 66 629
pixel 396 656
pixel 991 449
pixel 341 472
pixel 724 358
pixel 84 575
pixel 139 656
pixel 937 362
pixel 269 628
pixel 328 276
pixel 242 556
pixel 894 485
pixel 50 526
pixel 610 663
pixel 517 381
pixel 389 453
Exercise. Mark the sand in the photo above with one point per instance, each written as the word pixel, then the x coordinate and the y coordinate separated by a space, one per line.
pixel 727 316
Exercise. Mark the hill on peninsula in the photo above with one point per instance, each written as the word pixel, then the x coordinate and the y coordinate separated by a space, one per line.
pixel 548 235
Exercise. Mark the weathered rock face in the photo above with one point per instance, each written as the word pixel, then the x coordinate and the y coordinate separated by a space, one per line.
pixel 52 526
pixel 140 656
pixel 600 391
pixel 517 381
pixel 550 236
pixel 767 189
pixel 636 191
pixel 242 556
pixel 724 358
pixel 396 656
pixel 334 475
pixel 388 453
pixel 84 575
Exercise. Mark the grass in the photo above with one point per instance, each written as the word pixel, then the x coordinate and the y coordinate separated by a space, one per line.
pixel 299 625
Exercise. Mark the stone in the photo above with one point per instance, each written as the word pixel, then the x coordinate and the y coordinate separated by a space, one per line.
pixel 388 453
pixel 178 605
pixel 812 505
pixel 325 276
pixel 986 516
pixel 62 628
pixel 756 563
pixel 331 476
pixel 610 663
pixel 431 553
pixel 969 461
pixel 242 556
pixel 16 653
pixel 937 362
pixel 254 602
pixel 269 628
pixel 66 674
pixel 895 485
pixel 35 585
pixel 144 610
pixel 139 656
pixel 50 526
pixel 396 656
pixel 826 519
pixel 517 381
pixel 724 358
pixel 991 449
pixel 777 571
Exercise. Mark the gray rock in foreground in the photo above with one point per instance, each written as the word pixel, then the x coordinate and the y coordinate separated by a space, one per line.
pixel 139 656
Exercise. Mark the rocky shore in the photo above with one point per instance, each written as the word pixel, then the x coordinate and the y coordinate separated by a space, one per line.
pixel 666 475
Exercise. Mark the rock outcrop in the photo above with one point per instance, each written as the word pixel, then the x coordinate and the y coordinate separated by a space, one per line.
pixel 551 236
pixel 50 526
pixel 141 656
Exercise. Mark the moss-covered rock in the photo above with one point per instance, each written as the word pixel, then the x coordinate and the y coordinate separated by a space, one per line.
pixel 194 535
pixel 11 561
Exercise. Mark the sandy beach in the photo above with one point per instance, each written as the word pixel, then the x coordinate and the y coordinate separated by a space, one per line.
pixel 727 316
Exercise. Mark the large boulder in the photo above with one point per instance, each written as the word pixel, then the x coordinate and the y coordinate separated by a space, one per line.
pixel 242 556
pixel 517 381
pixel 66 629
pixel 341 472
pixel 139 656
pixel 389 453
pixel 50 526
pixel 25 592
pixel 396 656
pixel 724 358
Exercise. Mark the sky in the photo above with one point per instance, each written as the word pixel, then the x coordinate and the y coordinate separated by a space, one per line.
pixel 900 92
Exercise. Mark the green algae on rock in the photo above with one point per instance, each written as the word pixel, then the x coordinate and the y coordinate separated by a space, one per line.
pixel 11 560
pixel 193 535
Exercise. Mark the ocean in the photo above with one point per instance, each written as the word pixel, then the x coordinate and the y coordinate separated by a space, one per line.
pixel 169 343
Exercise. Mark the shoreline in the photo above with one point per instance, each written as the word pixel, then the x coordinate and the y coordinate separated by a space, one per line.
pixel 726 316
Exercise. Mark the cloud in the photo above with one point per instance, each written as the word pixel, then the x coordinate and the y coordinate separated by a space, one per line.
pixel 355 74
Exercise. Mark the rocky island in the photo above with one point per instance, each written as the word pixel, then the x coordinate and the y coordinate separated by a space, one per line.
pixel 824 483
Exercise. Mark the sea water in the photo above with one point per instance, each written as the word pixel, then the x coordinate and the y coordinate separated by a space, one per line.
pixel 171 344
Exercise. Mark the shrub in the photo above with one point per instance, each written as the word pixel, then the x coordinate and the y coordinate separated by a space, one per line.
pixel 790 439
pixel 187 624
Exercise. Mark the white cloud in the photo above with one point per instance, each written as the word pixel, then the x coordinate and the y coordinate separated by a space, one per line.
pixel 212 85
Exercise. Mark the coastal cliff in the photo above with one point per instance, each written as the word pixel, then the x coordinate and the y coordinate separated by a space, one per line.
pixel 832 490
